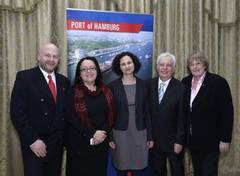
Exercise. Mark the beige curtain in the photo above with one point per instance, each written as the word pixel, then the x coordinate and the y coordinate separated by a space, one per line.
pixel 181 27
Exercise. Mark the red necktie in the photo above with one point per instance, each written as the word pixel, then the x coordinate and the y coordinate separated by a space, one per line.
pixel 52 87
pixel 129 173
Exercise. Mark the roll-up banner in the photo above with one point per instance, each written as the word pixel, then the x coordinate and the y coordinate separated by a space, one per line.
pixel 103 35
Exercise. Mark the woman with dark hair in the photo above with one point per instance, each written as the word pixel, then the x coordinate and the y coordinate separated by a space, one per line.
pixel 89 116
pixel 131 134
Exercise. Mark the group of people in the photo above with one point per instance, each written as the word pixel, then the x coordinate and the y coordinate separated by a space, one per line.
pixel 142 123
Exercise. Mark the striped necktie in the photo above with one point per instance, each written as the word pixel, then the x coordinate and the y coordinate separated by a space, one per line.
pixel 160 92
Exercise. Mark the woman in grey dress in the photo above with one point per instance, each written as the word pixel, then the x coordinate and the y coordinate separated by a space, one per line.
pixel 131 134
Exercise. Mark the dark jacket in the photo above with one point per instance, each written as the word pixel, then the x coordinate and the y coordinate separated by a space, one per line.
pixel 33 110
pixel 168 116
pixel 142 118
pixel 211 115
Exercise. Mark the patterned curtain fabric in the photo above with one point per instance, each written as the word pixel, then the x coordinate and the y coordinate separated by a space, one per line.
pixel 180 27
pixel 19 5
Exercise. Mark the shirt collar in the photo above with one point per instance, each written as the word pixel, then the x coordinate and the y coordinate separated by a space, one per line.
pixel 46 73
pixel 200 81
pixel 165 83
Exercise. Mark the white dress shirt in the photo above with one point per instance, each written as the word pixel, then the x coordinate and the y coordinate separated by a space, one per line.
pixel 195 90
pixel 45 74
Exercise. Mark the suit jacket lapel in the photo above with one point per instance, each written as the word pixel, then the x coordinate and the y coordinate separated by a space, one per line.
pixel 203 91
pixel 122 93
pixel 42 86
pixel 60 89
pixel 168 91
pixel 60 93
pixel 138 92
pixel 155 91
pixel 188 90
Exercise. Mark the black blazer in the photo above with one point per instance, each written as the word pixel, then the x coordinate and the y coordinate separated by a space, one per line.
pixel 33 110
pixel 168 116
pixel 211 116
pixel 122 114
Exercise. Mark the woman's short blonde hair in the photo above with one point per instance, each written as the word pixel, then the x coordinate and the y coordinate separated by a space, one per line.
pixel 198 56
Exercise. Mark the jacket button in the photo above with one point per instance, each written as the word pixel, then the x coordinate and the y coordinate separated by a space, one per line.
pixel 45 113
pixel 42 100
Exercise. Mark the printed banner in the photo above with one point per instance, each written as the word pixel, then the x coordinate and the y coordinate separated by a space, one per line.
pixel 105 34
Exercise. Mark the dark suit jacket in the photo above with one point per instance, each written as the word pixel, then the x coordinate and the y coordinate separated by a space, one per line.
pixel 168 116
pixel 211 116
pixel 34 112
pixel 142 111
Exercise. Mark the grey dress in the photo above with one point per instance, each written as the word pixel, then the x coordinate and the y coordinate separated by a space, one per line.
pixel 131 151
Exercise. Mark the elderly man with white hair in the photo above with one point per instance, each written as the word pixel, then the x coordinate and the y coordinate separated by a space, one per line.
pixel 167 115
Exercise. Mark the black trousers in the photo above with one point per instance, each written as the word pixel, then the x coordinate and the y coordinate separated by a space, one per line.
pixel 34 166
pixel 86 165
pixel 205 163
pixel 158 163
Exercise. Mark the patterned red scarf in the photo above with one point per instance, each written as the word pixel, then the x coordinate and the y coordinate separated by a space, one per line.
pixel 80 104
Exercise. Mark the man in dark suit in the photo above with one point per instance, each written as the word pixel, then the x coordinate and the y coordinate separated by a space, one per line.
pixel 209 110
pixel 167 115
pixel 36 109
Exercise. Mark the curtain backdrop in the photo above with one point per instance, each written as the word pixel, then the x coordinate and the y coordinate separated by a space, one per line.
pixel 181 27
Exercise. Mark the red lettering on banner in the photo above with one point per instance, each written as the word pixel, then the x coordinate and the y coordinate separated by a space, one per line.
pixel 103 26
